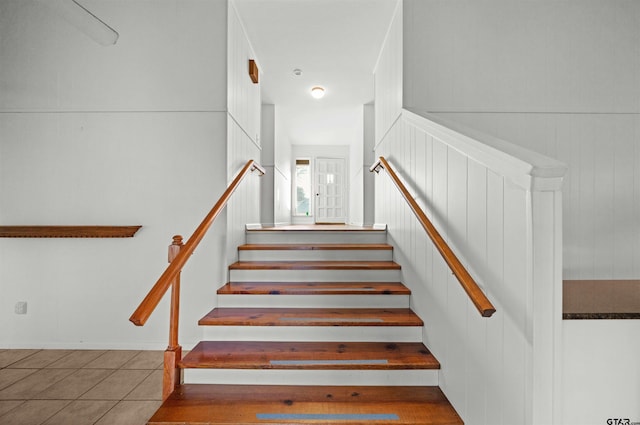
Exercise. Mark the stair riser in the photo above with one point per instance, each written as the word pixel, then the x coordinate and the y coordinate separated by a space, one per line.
pixel 412 377
pixel 314 333
pixel 314 275
pixel 272 237
pixel 314 301
pixel 316 255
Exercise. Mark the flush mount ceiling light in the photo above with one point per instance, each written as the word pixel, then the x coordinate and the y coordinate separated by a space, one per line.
pixel 317 92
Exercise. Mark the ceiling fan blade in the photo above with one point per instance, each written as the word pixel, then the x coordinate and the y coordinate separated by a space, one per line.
pixel 85 21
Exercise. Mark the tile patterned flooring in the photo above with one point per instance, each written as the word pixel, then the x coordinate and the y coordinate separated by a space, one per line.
pixel 79 387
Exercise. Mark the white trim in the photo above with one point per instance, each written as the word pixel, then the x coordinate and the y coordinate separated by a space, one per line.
pixel 244 131
pixel 527 169
pixel 384 136
pixel 386 36
pixel 232 3
pixel 276 168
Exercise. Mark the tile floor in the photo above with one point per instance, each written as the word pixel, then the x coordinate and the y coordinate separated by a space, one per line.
pixel 79 387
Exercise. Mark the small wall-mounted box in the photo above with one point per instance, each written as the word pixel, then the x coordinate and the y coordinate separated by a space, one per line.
pixel 253 71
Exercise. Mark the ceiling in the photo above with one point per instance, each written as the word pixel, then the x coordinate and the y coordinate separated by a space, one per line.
pixel 334 42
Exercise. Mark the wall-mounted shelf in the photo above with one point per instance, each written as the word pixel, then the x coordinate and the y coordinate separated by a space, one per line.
pixel 68 231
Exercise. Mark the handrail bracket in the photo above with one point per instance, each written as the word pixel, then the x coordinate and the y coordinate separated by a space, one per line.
pixel 376 167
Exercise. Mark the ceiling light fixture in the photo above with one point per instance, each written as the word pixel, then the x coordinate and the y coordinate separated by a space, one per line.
pixel 317 92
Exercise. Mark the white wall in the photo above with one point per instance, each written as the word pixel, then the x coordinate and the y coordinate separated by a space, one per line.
pixel 243 133
pixel 127 134
pixel 504 225
pixel 388 77
pixel 561 78
pixel 282 170
pixel 558 77
pixel 316 126
pixel 368 155
pixel 601 366
pixel 48 65
pixel 267 142
pixel 356 174
pixel 499 208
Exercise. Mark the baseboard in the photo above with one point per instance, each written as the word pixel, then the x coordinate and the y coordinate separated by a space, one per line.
pixel 145 346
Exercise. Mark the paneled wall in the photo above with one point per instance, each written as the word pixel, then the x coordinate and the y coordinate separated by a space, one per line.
pixel 558 77
pixel 368 155
pixel 125 134
pixel 499 208
pixel 244 101
pixel 503 225
pixel 602 187
pixel 243 132
pixel 267 142
pixel 244 207
pixel 356 175
pixel 388 77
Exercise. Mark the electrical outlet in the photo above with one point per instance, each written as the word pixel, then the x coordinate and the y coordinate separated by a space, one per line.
pixel 21 307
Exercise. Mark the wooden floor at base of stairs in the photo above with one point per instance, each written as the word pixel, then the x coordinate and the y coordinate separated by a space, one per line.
pixel 311 317
pixel 243 405
pixel 314 265
pixel 314 288
pixel 310 355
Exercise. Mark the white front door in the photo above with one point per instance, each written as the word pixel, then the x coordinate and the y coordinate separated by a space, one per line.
pixel 331 190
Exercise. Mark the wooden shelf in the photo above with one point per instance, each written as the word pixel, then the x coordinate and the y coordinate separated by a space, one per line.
pixel 68 231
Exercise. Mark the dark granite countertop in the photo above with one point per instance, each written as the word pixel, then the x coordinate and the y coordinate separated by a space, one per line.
pixel 601 299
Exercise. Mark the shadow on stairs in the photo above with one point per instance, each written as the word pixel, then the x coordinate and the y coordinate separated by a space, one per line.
pixel 314 326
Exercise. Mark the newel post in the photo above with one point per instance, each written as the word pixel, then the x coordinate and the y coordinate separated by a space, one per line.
pixel 172 375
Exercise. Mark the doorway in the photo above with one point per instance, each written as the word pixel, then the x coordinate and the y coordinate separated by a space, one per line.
pixel 320 184
pixel 330 178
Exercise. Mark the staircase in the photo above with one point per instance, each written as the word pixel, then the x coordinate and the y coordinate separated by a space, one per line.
pixel 314 326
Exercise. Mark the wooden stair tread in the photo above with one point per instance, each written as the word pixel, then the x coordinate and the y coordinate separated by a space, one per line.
pixel 248 404
pixel 317 246
pixel 310 355
pixel 309 288
pixel 314 265
pixel 311 317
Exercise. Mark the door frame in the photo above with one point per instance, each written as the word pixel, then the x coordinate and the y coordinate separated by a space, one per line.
pixel 313 152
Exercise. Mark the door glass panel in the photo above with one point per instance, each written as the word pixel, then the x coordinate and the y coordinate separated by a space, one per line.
pixel 303 187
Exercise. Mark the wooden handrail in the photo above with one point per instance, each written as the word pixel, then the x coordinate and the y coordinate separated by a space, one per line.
pixel 469 285
pixel 150 302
